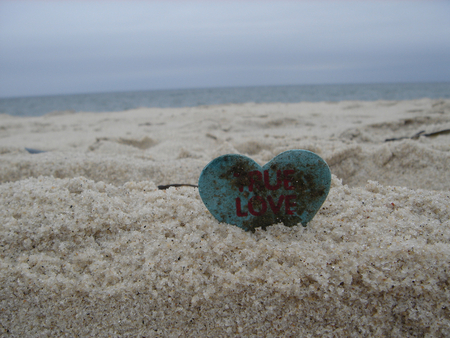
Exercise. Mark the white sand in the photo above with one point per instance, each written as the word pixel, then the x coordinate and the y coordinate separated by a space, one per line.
pixel 91 247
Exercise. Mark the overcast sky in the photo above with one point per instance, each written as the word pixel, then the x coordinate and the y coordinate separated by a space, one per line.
pixel 63 47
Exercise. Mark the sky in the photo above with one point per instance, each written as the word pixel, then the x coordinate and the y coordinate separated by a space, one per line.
pixel 69 47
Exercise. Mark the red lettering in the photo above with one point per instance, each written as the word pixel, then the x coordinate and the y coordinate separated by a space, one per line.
pixel 267 180
pixel 275 208
pixel 239 212
pixel 263 204
pixel 289 204
pixel 250 177
pixel 287 179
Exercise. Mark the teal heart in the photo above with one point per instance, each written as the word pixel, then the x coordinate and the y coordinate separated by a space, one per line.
pixel 290 188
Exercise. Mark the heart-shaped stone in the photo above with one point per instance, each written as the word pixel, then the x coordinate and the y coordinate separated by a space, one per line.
pixel 290 188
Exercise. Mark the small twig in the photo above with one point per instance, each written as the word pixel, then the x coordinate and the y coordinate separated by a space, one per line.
pixel 436 133
pixel 420 133
pixel 164 187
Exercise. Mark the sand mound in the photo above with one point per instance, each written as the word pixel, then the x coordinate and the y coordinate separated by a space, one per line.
pixel 88 258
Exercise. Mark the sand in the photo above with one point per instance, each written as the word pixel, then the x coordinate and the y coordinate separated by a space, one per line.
pixel 91 247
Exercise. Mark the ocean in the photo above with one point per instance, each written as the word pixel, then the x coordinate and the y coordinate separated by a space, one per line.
pixel 118 101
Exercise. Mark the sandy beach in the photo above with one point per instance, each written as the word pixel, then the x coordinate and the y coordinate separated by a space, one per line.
pixel 91 247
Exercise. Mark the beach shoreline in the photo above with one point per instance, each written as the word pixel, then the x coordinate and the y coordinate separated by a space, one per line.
pixel 91 246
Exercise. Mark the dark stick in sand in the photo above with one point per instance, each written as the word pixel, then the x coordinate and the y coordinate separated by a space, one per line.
pixel 420 133
pixel 164 187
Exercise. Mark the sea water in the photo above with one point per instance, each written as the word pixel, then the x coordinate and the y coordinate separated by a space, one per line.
pixel 118 101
